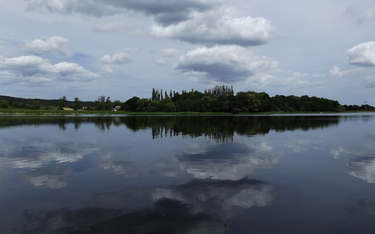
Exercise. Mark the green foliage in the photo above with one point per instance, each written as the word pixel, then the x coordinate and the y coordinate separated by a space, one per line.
pixel 167 105
pixel 77 104
pixel 4 104
pixel 130 104
pixel 62 103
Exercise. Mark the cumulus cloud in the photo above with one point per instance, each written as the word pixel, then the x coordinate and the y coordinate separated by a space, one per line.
pixel 119 58
pixel 50 46
pixel 165 12
pixel 336 71
pixel 362 54
pixel 8 78
pixel 32 65
pixel 214 28
pixel 109 26
pixel 107 69
pixel 225 63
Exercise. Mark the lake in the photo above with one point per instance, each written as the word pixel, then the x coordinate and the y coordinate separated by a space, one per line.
pixel 188 174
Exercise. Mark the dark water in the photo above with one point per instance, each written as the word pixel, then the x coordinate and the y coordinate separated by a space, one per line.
pixel 188 174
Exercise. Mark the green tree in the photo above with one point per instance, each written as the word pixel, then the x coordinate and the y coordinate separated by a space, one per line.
pixel 130 104
pixel 62 102
pixel 4 104
pixel 77 104
pixel 108 104
pixel 166 105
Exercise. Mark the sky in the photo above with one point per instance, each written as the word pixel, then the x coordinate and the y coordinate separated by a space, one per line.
pixel 124 48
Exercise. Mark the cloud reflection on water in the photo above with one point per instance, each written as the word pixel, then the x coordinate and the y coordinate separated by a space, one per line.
pixel 35 159
pixel 363 167
pixel 121 167
pixel 51 178
pixel 232 161
pixel 219 197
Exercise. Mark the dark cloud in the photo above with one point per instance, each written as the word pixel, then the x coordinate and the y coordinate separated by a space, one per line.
pixel 165 12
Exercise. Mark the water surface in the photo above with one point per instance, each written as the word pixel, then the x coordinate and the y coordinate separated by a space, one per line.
pixel 188 174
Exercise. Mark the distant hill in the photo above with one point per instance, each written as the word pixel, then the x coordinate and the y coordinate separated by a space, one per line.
pixel 43 102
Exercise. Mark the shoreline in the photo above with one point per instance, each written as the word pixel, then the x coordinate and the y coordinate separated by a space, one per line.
pixel 28 112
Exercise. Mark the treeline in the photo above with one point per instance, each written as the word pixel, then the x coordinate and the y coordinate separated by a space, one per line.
pixel 222 99
pixel 217 99
pixel 36 103
pixel 359 108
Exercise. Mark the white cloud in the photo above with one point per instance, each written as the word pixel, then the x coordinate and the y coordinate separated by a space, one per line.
pixel 50 46
pixel 225 63
pixel 336 71
pixel 362 54
pixel 7 78
pixel 119 58
pixel 214 28
pixel 109 26
pixel 107 69
pixel 32 65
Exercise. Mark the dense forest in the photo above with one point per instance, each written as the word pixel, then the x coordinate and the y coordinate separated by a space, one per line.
pixel 217 99
pixel 222 99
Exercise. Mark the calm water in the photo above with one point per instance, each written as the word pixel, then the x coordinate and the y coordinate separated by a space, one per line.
pixel 188 174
